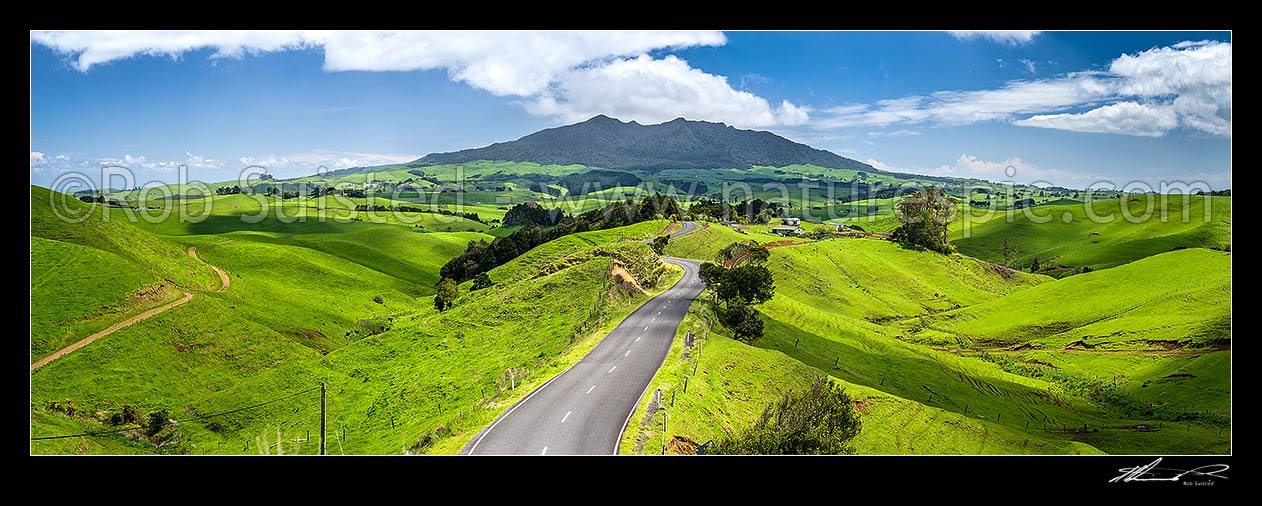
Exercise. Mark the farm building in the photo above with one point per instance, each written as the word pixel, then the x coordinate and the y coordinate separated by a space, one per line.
pixel 786 230
pixel 791 221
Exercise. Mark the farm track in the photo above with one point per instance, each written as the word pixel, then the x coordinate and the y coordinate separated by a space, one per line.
pixel 224 282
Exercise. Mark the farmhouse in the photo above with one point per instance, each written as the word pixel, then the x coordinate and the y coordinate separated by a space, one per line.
pixel 791 221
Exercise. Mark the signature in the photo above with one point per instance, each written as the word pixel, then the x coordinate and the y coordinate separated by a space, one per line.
pixel 1151 472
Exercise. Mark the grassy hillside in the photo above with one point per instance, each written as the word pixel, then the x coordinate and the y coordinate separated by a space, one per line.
pixel 734 381
pixel 90 274
pixel 1176 299
pixel 283 327
pixel 860 309
pixel 1083 242
pixel 160 258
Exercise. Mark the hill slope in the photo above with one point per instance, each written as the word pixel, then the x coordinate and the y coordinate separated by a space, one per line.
pixel 606 142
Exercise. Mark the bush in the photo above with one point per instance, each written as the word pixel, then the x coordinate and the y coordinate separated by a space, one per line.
pixel 157 421
pixel 447 293
pixel 380 299
pixel 659 243
pixel 819 421
pixel 482 281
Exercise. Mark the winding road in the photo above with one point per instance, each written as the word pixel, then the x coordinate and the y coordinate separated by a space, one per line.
pixel 585 409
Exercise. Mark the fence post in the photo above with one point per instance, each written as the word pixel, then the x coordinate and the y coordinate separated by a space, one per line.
pixel 324 403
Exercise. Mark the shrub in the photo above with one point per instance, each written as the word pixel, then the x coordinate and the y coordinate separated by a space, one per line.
pixel 818 421
pixel 157 421
pixel 482 281
pixel 380 299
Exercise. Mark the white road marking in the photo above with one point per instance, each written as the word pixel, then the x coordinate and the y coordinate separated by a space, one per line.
pixel 659 312
pixel 611 369
pixel 566 417
pixel 590 390
pixel 627 353
pixel 545 451
pixel 637 339
pixel 646 329
pixel 655 319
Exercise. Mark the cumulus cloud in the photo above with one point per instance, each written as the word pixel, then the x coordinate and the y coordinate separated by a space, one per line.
pixel 568 75
pixel 208 169
pixel 1150 93
pixel 1127 118
pixel 312 161
pixel 880 165
pixel 1016 167
pixel 1010 37
pixel 654 90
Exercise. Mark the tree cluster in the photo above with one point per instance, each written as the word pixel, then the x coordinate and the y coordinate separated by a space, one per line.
pixel 482 256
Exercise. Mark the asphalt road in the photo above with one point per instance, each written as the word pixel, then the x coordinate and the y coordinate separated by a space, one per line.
pixel 584 410
pixel 688 228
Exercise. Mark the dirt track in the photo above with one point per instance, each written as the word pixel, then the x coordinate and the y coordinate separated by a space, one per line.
pixel 224 282
pixel 109 330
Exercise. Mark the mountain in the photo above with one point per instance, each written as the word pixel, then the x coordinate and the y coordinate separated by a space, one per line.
pixel 678 144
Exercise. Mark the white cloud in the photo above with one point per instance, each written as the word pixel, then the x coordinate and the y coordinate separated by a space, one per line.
pixel 1030 66
pixel 1191 80
pixel 502 62
pixel 880 165
pixel 653 90
pixel 902 132
pixel 1011 37
pixel 311 161
pixel 965 107
pixel 971 166
pixel 1127 118
pixel 569 75
pixel 37 157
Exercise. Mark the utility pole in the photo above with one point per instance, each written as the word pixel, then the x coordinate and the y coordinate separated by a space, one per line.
pixel 324 405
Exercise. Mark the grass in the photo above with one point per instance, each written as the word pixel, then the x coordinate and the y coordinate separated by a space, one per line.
pixel 843 306
pixel 709 238
pixel 280 329
pixel 1044 232
pixel 1185 301
pixel 734 381
pixel 873 315
pixel 77 291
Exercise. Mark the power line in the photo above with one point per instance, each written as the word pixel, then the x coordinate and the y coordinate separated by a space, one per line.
pixel 202 417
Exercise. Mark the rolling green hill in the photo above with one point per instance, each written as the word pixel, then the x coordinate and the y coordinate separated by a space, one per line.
pixel 874 316
pixel 88 275
pixel 296 316
pixel 1185 301
pixel 1083 242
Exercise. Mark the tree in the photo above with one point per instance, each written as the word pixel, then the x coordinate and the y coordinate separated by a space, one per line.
pixel 1008 251
pixel 926 216
pixel 743 320
pixel 751 283
pixel 742 252
pixel 447 293
pixel 659 244
pixel 818 421
pixel 1034 266
pixel 481 281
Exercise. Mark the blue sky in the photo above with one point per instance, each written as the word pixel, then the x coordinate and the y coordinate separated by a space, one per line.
pixel 1066 108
